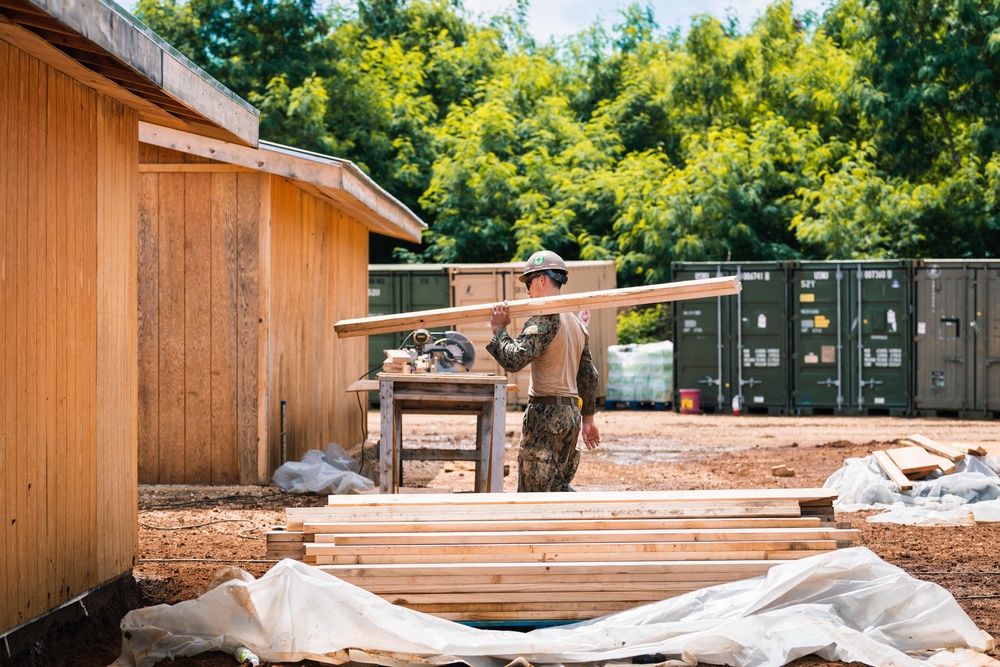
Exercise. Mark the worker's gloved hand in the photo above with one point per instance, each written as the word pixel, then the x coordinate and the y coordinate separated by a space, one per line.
pixel 591 434
pixel 500 317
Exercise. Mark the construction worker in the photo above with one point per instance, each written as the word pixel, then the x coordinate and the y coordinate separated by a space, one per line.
pixel 562 373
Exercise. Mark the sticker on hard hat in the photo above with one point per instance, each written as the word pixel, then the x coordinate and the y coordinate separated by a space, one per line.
pixel 539 259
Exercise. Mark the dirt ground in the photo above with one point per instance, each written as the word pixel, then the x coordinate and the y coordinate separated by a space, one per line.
pixel 187 533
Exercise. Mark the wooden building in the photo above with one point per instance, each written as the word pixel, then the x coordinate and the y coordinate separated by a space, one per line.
pixel 247 258
pixel 76 78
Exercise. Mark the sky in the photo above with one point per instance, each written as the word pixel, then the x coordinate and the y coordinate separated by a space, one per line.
pixel 561 18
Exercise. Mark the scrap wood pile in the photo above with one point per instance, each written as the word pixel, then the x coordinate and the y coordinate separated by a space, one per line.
pixel 555 556
pixel 918 456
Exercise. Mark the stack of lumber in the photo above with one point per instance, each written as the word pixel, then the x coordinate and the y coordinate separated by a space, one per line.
pixel 918 456
pixel 396 361
pixel 555 556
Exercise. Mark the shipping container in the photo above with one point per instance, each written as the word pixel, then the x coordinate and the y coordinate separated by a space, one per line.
pixel 402 289
pixel 957 338
pixel 734 349
pixel 851 337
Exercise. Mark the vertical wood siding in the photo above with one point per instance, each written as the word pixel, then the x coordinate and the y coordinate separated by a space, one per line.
pixel 68 190
pixel 319 272
pixel 199 315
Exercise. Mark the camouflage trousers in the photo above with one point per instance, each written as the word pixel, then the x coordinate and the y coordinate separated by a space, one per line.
pixel 547 458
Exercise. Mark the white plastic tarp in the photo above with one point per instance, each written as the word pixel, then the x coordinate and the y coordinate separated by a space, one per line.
pixel 964 497
pixel 844 605
pixel 324 472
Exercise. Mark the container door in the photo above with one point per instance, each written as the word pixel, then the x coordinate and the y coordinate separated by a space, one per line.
pixel 762 339
pixel 383 299
pixel 883 348
pixel 702 358
pixel 988 318
pixel 473 288
pixel 941 304
pixel 819 331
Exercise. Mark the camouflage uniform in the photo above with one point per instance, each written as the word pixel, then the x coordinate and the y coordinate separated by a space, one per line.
pixel 547 459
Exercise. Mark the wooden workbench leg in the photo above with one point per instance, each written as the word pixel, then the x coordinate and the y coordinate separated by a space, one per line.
pixel 397 446
pixel 484 432
pixel 386 459
pixel 499 419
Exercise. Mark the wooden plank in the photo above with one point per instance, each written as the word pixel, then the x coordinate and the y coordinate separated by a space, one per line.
pixel 117 154
pixel 892 470
pixel 8 188
pixel 521 572
pixel 197 443
pixel 583 536
pixel 916 460
pixel 85 148
pixel 612 498
pixel 434 526
pixel 572 551
pixel 148 305
pixel 542 584
pixel 224 327
pixel 934 447
pixel 629 296
pixel 171 328
pixel 746 551
pixel 296 517
pixel 32 130
pixel 252 322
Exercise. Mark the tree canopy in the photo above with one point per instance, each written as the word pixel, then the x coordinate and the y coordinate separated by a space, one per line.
pixel 870 131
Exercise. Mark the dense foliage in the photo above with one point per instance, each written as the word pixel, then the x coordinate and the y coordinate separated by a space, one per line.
pixel 872 131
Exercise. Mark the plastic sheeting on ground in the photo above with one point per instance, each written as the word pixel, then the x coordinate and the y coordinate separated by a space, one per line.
pixel 844 605
pixel 964 497
pixel 330 471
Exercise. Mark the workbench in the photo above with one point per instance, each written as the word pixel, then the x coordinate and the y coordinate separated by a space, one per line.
pixel 443 393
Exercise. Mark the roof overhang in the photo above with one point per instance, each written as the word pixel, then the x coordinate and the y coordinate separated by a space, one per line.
pixel 340 182
pixel 107 49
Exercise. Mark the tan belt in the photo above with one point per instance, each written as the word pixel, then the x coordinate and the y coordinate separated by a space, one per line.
pixel 554 400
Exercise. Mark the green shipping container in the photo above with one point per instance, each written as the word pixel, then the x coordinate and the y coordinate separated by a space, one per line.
pixel 851 337
pixel 402 289
pixel 957 338
pixel 734 348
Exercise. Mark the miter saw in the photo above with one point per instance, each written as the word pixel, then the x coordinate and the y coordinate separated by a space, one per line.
pixel 450 352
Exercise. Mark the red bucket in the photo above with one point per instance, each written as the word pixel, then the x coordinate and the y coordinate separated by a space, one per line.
pixel 690 401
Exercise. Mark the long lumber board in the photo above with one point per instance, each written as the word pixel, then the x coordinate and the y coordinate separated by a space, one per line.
pixel 564 303
pixel 934 447
pixel 296 517
pixel 593 525
pixel 583 536
pixel 519 572
pixel 747 551
pixel 803 496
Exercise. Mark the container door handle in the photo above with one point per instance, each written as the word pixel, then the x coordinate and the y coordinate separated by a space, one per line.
pixel 955 360
pixel 709 380
pixel 829 383
pixel 870 383
pixel 975 326
pixel 751 381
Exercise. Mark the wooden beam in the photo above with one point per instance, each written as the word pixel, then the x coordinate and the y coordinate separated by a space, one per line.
pixel 892 470
pixel 934 447
pixel 914 460
pixel 564 303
